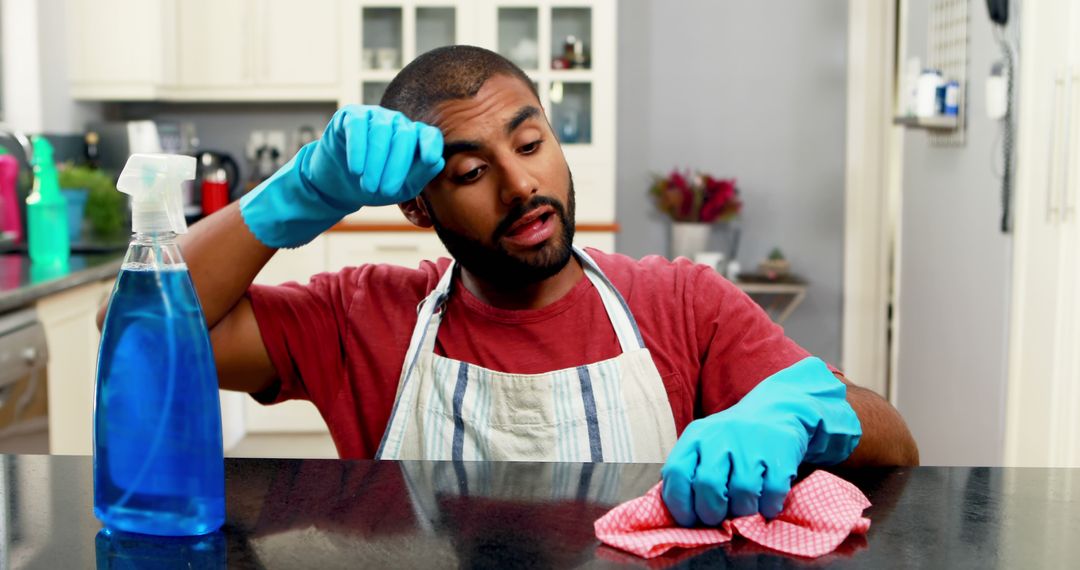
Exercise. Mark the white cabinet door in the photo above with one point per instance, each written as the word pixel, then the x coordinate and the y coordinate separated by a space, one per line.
pixel 295 264
pixel 298 43
pixel 70 321
pixel 214 43
pixel 407 249
pixel 1038 395
pixel 116 48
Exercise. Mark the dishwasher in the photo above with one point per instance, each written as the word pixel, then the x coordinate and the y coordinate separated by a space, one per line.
pixel 24 398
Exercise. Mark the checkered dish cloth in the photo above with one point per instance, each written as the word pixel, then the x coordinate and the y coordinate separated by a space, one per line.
pixel 819 513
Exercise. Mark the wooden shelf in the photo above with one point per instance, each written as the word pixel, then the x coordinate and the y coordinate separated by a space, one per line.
pixel 940 122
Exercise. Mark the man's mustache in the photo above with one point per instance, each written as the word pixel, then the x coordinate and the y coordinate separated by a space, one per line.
pixel 521 209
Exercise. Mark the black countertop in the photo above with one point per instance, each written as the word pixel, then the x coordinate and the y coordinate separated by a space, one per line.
pixel 349 514
pixel 22 282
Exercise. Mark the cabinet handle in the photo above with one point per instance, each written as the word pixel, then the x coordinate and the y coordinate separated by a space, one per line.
pixel 397 247
pixel 1068 205
pixel 1051 170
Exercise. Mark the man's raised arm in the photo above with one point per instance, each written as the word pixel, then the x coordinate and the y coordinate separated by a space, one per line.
pixel 368 156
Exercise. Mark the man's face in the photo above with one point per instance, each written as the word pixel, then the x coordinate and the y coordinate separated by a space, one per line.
pixel 504 204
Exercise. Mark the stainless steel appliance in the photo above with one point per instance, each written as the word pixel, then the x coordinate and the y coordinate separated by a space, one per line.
pixel 24 399
pixel 117 140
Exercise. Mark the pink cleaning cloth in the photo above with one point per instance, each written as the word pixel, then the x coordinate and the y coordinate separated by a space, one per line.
pixel 819 513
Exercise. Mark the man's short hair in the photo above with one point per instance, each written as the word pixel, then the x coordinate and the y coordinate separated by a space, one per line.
pixel 443 74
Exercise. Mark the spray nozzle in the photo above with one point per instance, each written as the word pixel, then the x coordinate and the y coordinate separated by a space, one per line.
pixel 153 182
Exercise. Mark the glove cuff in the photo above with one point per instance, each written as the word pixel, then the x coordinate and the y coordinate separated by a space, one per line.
pixel 285 211
pixel 809 392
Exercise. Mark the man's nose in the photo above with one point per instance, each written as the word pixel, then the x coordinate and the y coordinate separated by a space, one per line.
pixel 518 184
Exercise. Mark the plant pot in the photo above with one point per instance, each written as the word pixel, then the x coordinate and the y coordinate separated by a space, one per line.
pixel 689 238
pixel 76 204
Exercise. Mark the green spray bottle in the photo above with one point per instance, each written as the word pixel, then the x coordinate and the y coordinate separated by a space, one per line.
pixel 46 211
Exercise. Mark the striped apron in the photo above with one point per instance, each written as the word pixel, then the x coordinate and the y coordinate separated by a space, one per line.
pixel 614 410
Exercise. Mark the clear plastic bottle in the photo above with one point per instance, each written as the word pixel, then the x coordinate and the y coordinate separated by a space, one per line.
pixel 46 211
pixel 158 461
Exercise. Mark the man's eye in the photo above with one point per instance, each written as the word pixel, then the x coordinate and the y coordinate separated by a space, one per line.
pixel 531 147
pixel 471 175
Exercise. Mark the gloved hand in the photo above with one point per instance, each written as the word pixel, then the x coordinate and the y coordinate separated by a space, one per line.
pixel 742 460
pixel 368 156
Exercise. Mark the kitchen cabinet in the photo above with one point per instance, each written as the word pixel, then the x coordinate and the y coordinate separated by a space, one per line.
pixel 202 50
pixel 213 44
pixel 379 37
pixel 120 49
pixel 71 332
pixel 1043 414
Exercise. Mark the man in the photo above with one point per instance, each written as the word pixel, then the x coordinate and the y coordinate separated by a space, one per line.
pixel 522 347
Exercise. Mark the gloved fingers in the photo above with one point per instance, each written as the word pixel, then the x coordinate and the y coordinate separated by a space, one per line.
pixel 777 484
pixel 354 124
pixel 400 158
pixel 744 488
pixel 419 176
pixel 711 487
pixel 430 145
pixel 380 135
pixel 678 476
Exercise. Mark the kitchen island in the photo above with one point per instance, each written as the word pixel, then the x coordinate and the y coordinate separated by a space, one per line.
pixel 286 513
pixel 22 283
pixel 62 301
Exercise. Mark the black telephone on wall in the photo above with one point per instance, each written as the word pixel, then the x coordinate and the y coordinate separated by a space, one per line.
pixel 999 11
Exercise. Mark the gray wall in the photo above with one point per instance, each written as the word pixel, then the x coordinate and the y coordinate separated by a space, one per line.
pixel 955 274
pixel 753 89
pixel 226 127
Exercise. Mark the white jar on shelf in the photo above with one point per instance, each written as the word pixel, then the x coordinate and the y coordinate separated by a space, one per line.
pixel 929 82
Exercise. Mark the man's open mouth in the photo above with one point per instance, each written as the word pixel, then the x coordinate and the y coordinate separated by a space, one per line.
pixel 533 228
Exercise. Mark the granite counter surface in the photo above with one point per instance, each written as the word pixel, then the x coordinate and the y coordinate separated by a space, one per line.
pixel 23 283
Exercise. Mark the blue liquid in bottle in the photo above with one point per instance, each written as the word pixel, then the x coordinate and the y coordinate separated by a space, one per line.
pixel 158 463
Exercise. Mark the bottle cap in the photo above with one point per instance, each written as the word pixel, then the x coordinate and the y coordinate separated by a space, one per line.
pixel 154 183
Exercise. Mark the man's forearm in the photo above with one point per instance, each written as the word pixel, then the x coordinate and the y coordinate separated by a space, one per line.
pixel 886 439
pixel 223 257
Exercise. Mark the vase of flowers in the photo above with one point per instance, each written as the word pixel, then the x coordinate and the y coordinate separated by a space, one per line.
pixel 695 203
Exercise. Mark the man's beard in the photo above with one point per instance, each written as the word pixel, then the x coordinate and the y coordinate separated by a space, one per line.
pixel 498 266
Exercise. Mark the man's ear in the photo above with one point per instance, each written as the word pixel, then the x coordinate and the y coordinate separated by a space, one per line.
pixel 415 211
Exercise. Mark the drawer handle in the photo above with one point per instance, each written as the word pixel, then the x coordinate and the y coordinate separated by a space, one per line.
pixel 397 247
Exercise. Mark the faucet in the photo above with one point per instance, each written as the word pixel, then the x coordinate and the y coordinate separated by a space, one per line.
pixel 23 140
pixel 24 144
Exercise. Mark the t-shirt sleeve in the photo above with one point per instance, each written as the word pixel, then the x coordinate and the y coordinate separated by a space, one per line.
pixel 739 344
pixel 302 327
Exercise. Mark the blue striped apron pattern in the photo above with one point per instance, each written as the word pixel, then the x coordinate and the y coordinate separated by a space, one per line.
pixel 615 410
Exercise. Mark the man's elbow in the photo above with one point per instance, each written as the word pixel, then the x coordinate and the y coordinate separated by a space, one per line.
pixel 100 319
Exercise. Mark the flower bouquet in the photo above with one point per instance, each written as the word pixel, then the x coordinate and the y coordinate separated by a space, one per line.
pixel 694 203
pixel 699 198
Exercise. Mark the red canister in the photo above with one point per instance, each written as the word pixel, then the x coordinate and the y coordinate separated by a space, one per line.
pixel 215 191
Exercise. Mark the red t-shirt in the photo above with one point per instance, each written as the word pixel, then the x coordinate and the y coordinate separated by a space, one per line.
pixel 340 340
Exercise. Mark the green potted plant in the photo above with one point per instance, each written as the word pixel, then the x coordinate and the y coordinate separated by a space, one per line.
pixel 105 206
pixel 775 266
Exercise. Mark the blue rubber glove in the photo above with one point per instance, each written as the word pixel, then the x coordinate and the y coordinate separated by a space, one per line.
pixel 742 460
pixel 368 156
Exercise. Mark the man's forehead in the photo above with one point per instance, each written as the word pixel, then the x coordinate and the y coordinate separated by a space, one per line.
pixel 501 101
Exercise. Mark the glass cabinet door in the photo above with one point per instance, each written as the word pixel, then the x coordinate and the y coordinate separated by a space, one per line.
pixel 372 92
pixel 436 26
pixel 571 38
pixel 571 111
pixel 381 39
pixel 518 36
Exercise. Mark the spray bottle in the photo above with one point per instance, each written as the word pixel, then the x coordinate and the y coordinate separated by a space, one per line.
pixel 158 462
pixel 46 211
